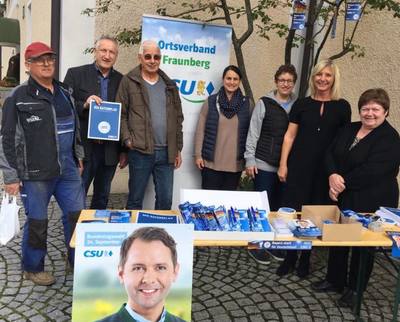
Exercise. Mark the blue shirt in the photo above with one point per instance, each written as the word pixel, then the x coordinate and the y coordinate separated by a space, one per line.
pixel 140 318
pixel 58 99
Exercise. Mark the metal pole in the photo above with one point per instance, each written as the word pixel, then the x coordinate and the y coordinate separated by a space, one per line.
pixel 361 281
pixel 397 299
pixel 55 32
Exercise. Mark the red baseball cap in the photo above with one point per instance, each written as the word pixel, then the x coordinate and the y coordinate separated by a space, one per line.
pixel 37 49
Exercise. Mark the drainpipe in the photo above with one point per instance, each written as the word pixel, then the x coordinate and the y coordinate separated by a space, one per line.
pixel 55 32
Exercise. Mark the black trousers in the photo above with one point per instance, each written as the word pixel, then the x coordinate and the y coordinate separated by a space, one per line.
pixel 338 266
pixel 219 180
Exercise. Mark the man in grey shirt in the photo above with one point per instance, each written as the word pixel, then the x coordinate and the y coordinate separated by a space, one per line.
pixel 151 127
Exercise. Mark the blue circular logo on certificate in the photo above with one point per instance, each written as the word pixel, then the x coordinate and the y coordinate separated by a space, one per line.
pixel 104 127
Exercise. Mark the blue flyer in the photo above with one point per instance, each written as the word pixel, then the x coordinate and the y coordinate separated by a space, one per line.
pixel 104 121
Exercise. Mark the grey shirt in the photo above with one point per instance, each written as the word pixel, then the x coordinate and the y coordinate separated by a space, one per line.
pixel 158 111
pixel 255 131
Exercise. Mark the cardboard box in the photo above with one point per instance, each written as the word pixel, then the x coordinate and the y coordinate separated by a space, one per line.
pixel 236 199
pixel 343 230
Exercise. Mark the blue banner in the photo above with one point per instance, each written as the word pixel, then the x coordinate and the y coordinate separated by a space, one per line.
pixel 149 218
pixel 299 15
pixel 267 244
pixel 353 11
pixel 194 55
pixel 104 121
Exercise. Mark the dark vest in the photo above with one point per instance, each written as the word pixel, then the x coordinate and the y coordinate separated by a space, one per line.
pixel 273 129
pixel 211 128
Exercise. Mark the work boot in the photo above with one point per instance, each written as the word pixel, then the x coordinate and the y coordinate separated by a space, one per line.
pixel 40 278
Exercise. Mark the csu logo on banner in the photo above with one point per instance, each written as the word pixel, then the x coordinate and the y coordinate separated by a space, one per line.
pixel 194 91
pixel 97 253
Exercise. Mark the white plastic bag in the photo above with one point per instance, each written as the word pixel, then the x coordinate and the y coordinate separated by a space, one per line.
pixel 9 221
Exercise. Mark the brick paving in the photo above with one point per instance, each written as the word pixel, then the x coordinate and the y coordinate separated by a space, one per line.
pixel 228 286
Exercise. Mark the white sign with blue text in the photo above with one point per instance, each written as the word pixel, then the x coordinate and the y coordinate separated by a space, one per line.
pixel 104 121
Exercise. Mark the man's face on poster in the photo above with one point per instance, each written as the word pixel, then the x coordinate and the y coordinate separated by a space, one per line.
pixel 148 275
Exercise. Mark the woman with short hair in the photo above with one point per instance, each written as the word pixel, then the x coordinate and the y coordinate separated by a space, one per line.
pixel 362 164
pixel 268 126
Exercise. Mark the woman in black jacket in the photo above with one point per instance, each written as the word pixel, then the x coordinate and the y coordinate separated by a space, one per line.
pixel 363 163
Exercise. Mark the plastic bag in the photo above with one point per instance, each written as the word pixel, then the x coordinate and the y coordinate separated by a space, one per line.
pixel 9 220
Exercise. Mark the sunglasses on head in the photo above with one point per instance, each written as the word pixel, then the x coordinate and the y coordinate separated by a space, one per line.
pixel 149 56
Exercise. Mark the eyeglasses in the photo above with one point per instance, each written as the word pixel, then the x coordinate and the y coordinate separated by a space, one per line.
pixel 42 60
pixel 149 57
pixel 283 81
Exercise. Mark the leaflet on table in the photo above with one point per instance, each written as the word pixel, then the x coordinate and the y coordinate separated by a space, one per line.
pixel 114 216
pixel 104 121
pixel 211 218
pixel 304 228
pixel 395 237
pixel 389 215
pixel 281 228
pixel 149 218
pixel 268 244
pixel 372 222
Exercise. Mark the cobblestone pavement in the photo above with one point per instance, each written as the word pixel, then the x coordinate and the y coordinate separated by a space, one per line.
pixel 228 286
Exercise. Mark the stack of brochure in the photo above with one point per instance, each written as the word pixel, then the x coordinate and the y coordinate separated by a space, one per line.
pixel 281 228
pixel 304 228
pixel 389 215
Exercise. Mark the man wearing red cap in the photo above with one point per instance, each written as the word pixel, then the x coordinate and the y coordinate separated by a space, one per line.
pixel 41 156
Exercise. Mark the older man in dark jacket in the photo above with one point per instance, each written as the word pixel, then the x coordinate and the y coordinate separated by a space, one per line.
pixel 98 81
pixel 151 127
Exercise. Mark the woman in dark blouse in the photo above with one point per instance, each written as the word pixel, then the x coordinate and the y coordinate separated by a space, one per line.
pixel 313 124
pixel 362 163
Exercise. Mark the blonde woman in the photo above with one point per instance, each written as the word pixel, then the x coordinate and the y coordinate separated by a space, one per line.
pixel 313 124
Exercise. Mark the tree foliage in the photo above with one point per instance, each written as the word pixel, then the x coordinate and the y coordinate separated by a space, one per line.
pixel 323 18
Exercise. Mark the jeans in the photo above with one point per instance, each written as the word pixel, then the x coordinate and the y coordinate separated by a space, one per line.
pixel 68 191
pixel 141 166
pixel 269 181
pixel 95 168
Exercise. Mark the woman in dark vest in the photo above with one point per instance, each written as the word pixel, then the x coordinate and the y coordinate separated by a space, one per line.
pixel 268 126
pixel 221 134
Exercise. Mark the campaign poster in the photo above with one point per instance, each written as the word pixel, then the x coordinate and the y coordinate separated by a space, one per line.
pixel 194 55
pixel 104 121
pixel 97 290
pixel 395 237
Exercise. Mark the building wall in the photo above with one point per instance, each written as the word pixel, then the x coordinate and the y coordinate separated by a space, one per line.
pixel 35 24
pixel 77 34
pixel 377 69
pixel 378 33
